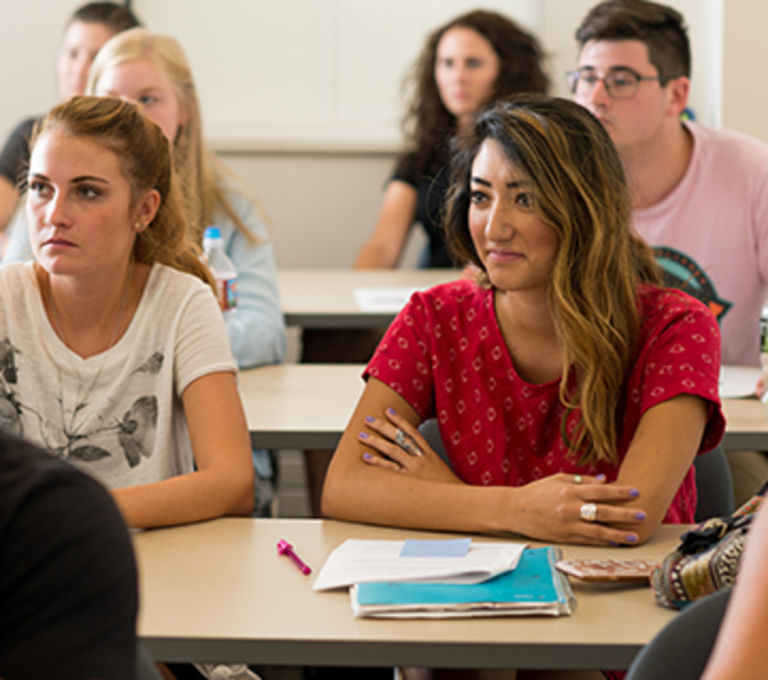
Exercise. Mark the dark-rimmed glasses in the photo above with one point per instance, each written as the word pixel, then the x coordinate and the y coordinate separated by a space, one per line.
pixel 619 83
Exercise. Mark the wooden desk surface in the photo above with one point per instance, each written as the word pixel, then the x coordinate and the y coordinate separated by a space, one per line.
pixel 308 406
pixel 218 591
pixel 324 298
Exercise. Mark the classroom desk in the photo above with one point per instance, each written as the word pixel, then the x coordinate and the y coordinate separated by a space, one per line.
pixel 307 406
pixel 324 298
pixel 746 426
pixel 218 591
pixel 299 406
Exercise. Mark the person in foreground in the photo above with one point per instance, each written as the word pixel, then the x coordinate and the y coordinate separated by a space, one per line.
pixel 68 593
pixel 739 652
pixel 571 391
pixel 113 351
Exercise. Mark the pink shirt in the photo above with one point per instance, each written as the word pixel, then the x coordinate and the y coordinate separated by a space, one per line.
pixel 712 232
pixel 445 355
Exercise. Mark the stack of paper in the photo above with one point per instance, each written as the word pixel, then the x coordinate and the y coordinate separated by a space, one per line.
pixel 407 579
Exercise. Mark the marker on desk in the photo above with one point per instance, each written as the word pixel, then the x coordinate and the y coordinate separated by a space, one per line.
pixel 285 548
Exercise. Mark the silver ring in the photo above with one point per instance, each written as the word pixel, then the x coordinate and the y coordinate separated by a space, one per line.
pixel 588 512
pixel 578 479
pixel 405 442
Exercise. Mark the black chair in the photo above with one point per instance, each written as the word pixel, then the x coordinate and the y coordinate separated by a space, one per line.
pixel 681 649
pixel 713 484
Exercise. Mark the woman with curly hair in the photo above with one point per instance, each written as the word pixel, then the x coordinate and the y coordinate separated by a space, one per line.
pixel 467 63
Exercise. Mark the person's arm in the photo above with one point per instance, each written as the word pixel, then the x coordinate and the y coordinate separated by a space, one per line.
pixel 420 491
pixel 18 247
pixel 396 216
pixel 222 483
pixel 257 332
pixel 739 651
pixel 9 199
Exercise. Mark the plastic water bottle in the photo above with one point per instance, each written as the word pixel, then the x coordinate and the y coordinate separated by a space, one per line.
pixel 223 272
pixel 764 350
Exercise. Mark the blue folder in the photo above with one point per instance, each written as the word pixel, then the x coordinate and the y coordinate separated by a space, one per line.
pixel 535 586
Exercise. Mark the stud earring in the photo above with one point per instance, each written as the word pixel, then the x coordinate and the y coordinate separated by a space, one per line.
pixel 138 226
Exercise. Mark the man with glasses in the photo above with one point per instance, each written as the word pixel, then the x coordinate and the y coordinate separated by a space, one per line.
pixel 700 195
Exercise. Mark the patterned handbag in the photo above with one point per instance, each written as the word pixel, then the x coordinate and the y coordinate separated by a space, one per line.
pixel 707 558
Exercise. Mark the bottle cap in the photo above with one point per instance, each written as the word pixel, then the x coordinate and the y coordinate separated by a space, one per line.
pixel 212 232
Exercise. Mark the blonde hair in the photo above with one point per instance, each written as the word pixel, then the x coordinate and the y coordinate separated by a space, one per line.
pixel 145 161
pixel 201 175
pixel 581 192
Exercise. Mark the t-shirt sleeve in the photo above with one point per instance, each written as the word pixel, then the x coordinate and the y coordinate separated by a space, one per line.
pixel 683 357
pixel 69 595
pixel 406 171
pixel 403 359
pixel 202 344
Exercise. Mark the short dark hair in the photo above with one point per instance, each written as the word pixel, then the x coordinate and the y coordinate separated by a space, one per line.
pixel 115 17
pixel 660 28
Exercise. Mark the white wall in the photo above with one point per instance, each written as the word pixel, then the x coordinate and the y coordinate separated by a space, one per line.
pixel 303 97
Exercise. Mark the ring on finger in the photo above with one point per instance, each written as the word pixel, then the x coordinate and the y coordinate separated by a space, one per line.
pixel 405 442
pixel 588 512
pixel 577 479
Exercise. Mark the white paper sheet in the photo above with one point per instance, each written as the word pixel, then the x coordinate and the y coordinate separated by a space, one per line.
pixel 383 299
pixel 358 561
pixel 738 381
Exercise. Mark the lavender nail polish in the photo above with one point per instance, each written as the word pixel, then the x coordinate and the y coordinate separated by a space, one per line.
pixel 631 538
pixel 363 435
pixel 639 516
pixel 391 411
pixel 601 477
pixel 634 493
pixel 369 419
pixel 367 456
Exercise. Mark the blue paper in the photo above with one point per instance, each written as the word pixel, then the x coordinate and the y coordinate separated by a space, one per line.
pixel 533 580
pixel 458 547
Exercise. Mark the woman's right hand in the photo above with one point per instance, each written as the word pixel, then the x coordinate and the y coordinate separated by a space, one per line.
pixel 550 509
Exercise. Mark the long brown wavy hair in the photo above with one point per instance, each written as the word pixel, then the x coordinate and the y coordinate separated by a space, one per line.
pixel 146 162
pixel 580 191
pixel 427 124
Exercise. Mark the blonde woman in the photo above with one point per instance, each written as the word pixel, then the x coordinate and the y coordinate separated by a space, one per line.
pixel 152 71
pixel 571 391
pixel 114 353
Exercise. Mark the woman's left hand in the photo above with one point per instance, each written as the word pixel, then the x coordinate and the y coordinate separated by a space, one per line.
pixel 400 447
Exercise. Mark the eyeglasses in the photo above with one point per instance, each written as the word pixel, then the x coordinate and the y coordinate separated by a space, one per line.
pixel 620 83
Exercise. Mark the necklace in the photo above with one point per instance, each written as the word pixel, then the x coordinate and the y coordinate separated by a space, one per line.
pixel 82 395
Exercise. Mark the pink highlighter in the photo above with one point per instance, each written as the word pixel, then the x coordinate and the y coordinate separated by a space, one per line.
pixel 285 548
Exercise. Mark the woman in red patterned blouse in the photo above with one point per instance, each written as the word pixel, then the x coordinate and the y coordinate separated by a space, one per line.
pixel 572 392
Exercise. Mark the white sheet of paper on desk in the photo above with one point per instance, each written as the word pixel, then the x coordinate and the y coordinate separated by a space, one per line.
pixel 738 381
pixel 359 561
pixel 383 299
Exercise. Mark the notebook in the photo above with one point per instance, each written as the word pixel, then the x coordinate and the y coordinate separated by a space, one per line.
pixel 456 561
pixel 533 587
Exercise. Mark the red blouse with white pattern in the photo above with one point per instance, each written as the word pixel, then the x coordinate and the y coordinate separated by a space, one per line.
pixel 445 355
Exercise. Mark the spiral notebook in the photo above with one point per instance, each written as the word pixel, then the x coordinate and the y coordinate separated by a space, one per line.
pixel 533 587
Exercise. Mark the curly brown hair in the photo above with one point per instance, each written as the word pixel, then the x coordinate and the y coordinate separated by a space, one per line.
pixel 427 124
